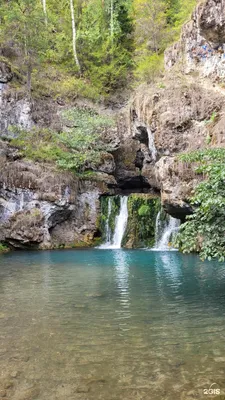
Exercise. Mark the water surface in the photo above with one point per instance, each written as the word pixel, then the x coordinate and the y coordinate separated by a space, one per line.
pixel 110 325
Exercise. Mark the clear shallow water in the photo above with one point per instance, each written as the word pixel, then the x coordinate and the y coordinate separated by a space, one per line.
pixel 110 325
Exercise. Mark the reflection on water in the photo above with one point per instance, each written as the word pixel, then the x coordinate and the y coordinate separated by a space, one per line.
pixel 110 325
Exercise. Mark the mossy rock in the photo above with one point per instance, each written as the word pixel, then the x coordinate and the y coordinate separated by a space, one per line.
pixel 143 210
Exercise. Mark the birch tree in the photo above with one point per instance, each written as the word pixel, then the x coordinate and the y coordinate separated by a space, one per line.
pixel 74 33
pixel 112 20
pixel 45 11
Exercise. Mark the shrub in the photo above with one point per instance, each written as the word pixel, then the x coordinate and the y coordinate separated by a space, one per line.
pixel 77 149
pixel 204 231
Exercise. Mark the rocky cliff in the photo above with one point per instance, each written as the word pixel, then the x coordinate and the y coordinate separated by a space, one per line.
pixel 184 111
pixel 41 206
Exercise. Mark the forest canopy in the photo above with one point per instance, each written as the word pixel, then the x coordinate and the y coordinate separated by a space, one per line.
pixel 96 46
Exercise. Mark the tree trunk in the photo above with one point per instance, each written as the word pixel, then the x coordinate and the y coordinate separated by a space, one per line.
pixel 45 11
pixel 74 36
pixel 112 20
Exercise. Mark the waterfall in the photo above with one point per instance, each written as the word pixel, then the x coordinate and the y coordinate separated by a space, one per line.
pixel 164 232
pixel 157 228
pixel 107 227
pixel 151 144
pixel 120 225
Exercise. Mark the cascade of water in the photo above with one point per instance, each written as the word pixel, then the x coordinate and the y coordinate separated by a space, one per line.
pixel 157 227
pixel 107 227
pixel 164 234
pixel 120 225
pixel 151 144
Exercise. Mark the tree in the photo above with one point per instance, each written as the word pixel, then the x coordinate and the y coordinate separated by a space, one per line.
pixel 112 20
pixel 45 11
pixel 74 33
pixel 24 24
pixel 150 24
pixel 106 45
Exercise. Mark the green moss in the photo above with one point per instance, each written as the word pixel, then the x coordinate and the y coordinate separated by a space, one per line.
pixel 3 248
pixel 79 244
pixel 143 210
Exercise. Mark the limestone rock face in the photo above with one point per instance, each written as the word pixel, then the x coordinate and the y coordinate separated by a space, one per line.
pixel 185 111
pixel 33 199
pixel 42 207
pixel 14 113
pixel 5 73
pixel 202 43
pixel 107 164
pixel 177 182
pixel 211 20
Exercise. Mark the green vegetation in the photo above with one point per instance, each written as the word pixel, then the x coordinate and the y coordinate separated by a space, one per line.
pixel 78 149
pixel 157 24
pixel 143 211
pixel 212 118
pixel 204 231
pixel 89 48
pixel 3 248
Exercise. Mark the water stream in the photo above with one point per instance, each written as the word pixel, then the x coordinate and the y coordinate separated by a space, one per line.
pixel 107 226
pixel 115 241
pixel 164 232
pixel 120 223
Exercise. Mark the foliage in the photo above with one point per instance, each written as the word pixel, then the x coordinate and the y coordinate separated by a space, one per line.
pixel 3 248
pixel 23 22
pixel 106 51
pixel 77 149
pixel 212 118
pixel 149 67
pixel 58 84
pixel 104 39
pixel 143 211
pixel 204 231
pixel 157 24
pixel 113 38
